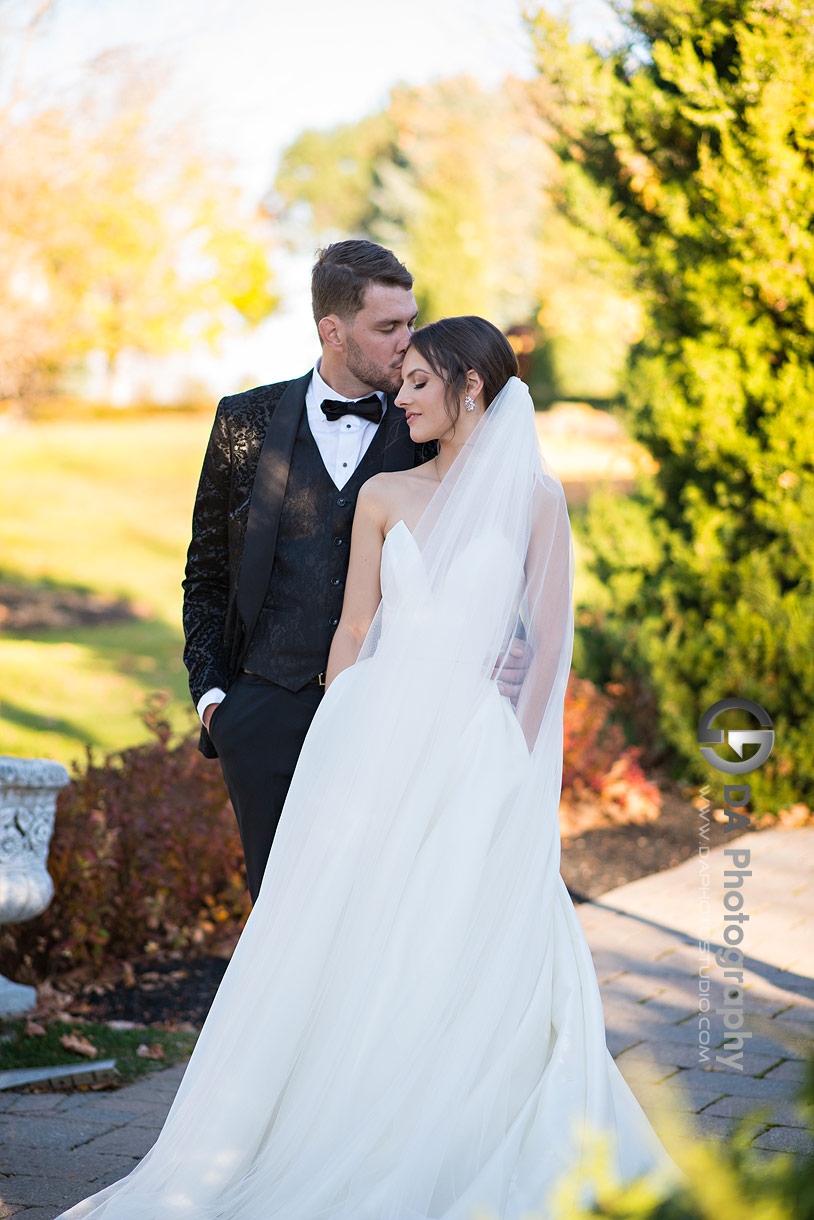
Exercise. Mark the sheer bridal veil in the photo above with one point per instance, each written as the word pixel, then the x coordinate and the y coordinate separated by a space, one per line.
pixel 496 564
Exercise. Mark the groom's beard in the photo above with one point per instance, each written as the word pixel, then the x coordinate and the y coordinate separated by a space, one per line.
pixel 369 373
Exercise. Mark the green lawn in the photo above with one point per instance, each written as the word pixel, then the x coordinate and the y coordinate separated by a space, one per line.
pixel 103 505
pixel 18 1050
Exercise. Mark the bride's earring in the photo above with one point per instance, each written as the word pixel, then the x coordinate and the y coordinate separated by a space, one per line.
pixel 469 403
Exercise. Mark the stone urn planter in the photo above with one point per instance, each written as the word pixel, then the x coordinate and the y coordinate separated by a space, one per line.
pixel 28 797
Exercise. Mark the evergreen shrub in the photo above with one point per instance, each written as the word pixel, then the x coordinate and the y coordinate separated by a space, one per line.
pixel 689 149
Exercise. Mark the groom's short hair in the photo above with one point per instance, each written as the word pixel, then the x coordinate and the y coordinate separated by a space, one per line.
pixel 342 272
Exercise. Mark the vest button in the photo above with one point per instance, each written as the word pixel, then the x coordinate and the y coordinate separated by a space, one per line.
pixel 334 622
pixel 335 580
pixel 341 501
pixel 338 541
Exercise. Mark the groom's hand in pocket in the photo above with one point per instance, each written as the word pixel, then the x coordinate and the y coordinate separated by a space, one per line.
pixel 207 714
pixel 511 669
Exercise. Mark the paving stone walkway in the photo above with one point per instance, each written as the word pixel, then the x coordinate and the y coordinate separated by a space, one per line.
pixel 664 993
pixel 58 1148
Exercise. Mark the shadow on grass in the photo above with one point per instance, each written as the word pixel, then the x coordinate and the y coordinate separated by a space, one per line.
pixel 91 685
pixel 147 651
pixel 45 584
pixel 23 718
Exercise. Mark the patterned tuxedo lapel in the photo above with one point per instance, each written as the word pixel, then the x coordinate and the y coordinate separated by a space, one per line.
pixel 268 490
pixel 236 521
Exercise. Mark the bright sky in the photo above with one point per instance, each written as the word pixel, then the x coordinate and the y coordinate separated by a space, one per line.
pixel 254 73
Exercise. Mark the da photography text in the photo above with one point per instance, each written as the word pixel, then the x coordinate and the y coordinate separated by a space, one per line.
pixel 728 956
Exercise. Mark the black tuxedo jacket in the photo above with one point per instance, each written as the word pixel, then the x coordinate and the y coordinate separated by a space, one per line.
pixel 236 521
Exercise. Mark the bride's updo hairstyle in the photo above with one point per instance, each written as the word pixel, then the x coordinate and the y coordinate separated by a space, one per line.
pixel 453 346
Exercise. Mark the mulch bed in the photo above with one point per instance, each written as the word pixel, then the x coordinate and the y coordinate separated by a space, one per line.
pixel 177 992
pixel 603 858
pixel 593 862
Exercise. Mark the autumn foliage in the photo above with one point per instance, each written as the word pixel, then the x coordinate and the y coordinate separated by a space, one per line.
pixel 119 233
pixel 598 766
pixel 145 859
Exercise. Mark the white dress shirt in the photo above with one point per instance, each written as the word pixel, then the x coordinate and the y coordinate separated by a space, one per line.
pixel 342 444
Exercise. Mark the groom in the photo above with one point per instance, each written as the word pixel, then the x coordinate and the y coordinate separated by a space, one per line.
pixel 271 531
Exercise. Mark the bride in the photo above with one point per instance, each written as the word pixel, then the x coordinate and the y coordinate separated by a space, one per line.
pixel 410 1027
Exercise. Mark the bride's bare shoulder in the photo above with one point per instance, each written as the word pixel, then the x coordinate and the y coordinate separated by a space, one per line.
pixel 390 495
pixel 391 483
pixel 377 496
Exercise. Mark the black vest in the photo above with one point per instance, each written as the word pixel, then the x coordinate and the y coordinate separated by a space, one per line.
pixel 292 637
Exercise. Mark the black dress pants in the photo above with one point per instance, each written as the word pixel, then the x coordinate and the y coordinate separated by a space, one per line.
pixel 258 731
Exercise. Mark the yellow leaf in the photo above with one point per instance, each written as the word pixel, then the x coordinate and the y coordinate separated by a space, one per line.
pixel 79 1045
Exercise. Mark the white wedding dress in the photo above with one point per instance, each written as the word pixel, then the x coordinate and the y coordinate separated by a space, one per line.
pixel 410 1027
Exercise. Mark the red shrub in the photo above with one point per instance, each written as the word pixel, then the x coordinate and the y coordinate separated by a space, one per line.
pixel 145 857
pixel 596 759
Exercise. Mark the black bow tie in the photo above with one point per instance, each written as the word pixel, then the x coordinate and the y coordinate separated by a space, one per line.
pixel 366 408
